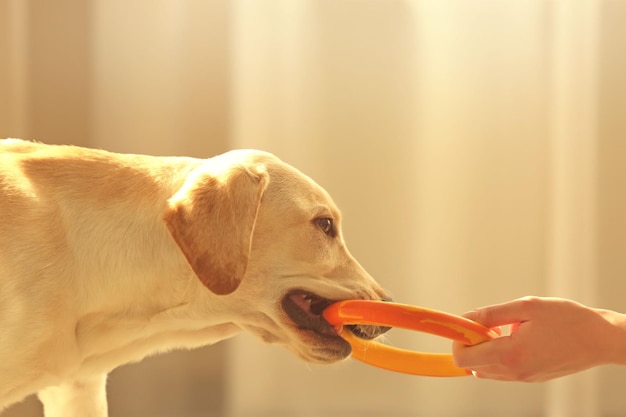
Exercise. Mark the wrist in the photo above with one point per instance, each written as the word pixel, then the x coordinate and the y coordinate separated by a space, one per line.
pixel 615 337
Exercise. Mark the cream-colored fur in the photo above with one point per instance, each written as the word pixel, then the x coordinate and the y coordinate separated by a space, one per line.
pixel 107 258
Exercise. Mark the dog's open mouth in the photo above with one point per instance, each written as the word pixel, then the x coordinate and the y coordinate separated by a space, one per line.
pixel 305 310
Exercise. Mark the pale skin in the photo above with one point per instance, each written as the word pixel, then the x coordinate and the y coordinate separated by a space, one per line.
pixel 549 338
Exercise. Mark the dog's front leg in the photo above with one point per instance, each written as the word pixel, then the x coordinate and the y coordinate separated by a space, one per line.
pixel 81 398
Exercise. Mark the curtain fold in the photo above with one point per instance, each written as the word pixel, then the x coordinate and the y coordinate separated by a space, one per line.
pixel 572 247
pixel 13 80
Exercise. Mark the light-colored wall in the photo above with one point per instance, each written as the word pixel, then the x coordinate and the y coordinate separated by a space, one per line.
pixel 160 76
pixel 46 60
pixel 442 129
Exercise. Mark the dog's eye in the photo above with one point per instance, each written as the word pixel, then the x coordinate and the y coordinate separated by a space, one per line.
pixel 326 225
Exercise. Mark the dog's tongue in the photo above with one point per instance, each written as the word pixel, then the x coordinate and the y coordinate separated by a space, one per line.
pixel 301 301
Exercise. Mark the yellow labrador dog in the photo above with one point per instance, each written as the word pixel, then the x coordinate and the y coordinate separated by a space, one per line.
pixel 106 258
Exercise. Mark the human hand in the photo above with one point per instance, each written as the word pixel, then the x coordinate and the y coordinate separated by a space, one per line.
pixel 550 338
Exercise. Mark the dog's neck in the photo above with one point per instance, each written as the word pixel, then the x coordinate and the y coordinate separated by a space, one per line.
pixel 129 243
pixel 132 284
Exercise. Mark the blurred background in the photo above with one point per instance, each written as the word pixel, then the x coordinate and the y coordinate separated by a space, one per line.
pixel 477 151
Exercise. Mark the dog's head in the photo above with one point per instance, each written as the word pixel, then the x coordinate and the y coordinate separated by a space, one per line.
pixel 261 234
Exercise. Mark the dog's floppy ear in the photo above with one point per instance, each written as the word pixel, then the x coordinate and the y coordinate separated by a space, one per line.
pixel 212 220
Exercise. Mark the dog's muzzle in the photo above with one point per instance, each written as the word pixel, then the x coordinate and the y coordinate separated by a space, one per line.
pixel 305 310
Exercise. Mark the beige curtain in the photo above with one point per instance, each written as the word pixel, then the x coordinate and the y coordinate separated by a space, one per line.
pixel 476 149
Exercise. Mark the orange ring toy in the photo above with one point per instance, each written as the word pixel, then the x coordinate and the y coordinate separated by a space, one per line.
pixel 380 313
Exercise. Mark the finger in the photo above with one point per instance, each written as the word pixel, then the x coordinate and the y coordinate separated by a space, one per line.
pixel 479 356
pixel 491 373
pixel 514 327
